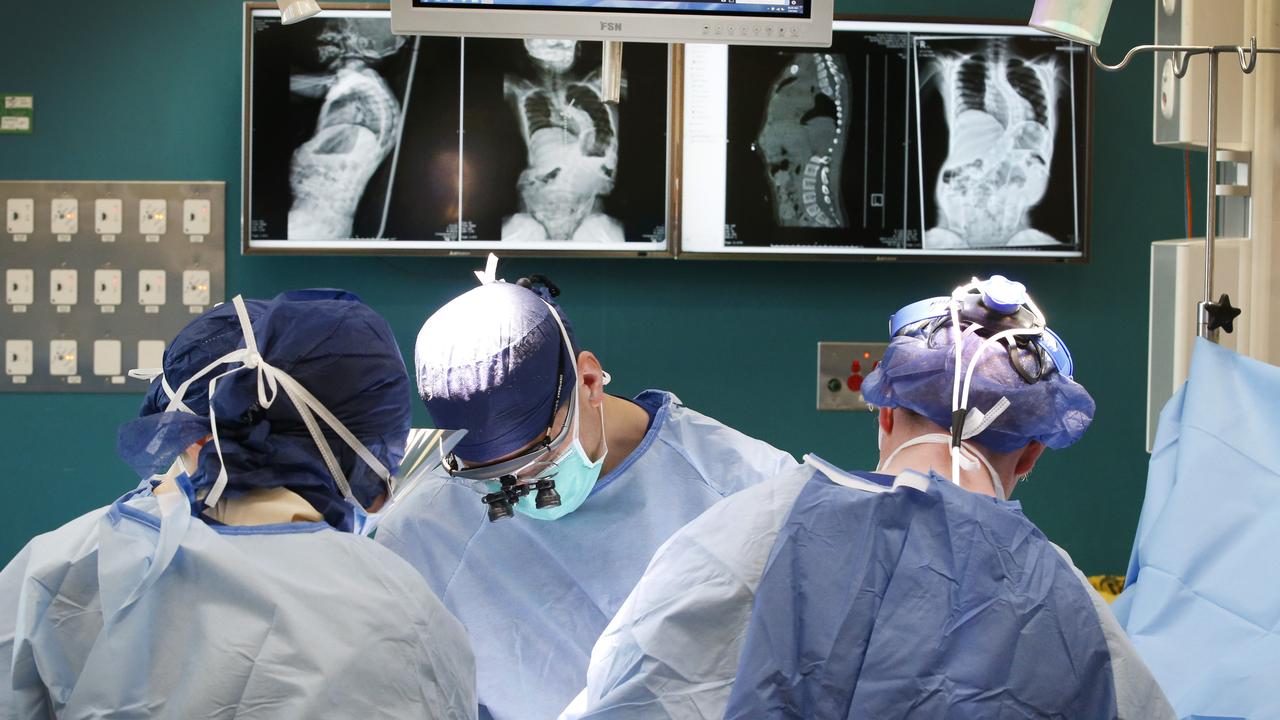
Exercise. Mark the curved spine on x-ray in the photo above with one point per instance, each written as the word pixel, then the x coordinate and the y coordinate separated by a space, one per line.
pixel 355 129
pixel 801 141
pixel 1000 113
pixel 572 141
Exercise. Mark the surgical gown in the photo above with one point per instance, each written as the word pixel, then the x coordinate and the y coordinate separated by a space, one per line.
pixel 275 621
pixel 534 595
pixel 1200 600
pixel 676 648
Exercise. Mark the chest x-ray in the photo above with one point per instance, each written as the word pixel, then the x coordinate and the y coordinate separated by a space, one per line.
pixel 1001 115
pixel 571 138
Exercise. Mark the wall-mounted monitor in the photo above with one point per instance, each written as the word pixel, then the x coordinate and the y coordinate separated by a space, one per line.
pixel 755 22
pixel 903 140
pixel 358 140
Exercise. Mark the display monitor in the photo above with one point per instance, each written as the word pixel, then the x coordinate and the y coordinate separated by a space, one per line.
pixel 360 140
pixel 903 140
pixel 748 22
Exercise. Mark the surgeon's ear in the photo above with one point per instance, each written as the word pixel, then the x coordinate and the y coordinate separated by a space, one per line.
pixel 377 503
pixel 592 377
pixel 886 420
pixel 1028 457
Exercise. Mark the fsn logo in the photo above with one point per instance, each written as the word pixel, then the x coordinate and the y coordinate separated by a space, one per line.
pixel 611 26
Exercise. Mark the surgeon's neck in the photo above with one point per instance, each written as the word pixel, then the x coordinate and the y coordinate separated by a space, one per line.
pixel 625 425
pixel 937 458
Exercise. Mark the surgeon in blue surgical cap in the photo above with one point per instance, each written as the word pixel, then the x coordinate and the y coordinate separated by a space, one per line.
pixel 555 500
pixel 913 591
pixel 234 581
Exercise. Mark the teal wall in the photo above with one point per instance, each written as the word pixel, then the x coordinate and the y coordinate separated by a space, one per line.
pixel 150 90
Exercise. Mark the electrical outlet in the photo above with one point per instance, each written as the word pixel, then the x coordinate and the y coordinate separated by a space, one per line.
pixel 20 286
pixel 62 358
pixel 195 287
pixel 842 366
pixel 108 216
pixel 106 358
pixel 195 217
pixel 64 216
pixel 150 354
pixel 19 357
pixel 62 287
pixel 151 287
pixel 20 216
pixel 151 217
pixel 107 287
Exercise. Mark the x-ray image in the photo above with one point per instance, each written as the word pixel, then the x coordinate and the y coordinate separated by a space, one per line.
pixel 557 163
pixel 360 138
pixel 330 93
pixel 802 141
pixel 999 162
pixel 902 138
pixel 355 129
pixel 572 142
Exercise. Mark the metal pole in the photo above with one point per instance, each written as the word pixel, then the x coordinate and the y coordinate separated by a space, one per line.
pixel 1211 200
pixel 611 71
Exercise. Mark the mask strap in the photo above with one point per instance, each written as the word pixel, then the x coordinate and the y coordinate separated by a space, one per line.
pixel 604 439
pixel 968 458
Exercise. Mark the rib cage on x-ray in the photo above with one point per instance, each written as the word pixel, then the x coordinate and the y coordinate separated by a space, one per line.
pixel 571 143
pixel 1001 118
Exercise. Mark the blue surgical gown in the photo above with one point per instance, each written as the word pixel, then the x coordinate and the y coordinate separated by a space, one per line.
pixel 1201 597
pixel 676 648
pixel 534 595
pixel 276 621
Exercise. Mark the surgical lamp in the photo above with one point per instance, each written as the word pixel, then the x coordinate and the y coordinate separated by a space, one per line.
pixel 1083 21
pixel 292 11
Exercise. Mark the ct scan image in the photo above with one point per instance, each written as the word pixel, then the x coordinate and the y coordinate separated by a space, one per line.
pixel 818 149
pixel 999 161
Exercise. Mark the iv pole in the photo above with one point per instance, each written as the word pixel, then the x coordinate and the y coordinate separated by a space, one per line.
pixel 1210 315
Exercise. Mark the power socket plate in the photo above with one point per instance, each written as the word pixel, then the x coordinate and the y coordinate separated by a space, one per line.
pixel 842 366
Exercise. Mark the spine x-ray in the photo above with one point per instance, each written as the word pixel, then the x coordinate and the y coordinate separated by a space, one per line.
pixel 988 177
pixel 359 134
pixel 908 141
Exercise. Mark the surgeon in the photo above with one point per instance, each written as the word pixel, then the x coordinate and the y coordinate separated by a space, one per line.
pixel 914 591
pixel 556 498
pixel 234 581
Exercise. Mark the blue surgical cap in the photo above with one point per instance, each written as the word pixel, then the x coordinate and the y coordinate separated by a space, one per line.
pixel 492 362
pixel 918 371
pixel 335 347
pixel 151 443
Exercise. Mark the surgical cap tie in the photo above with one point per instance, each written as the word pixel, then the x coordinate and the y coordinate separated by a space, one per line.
pixel 270 380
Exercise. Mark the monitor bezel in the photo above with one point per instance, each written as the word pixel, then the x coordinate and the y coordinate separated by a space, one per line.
pixel 438 248
pixel 647 26
pixel 803 254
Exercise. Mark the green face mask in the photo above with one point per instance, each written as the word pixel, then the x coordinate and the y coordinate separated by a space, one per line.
pixel 574 473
